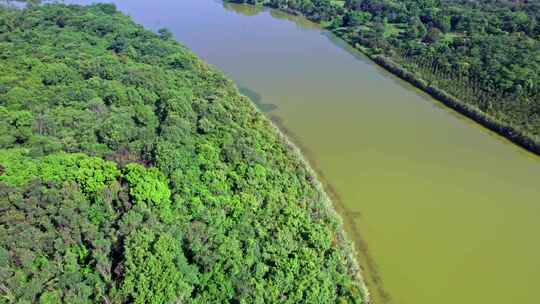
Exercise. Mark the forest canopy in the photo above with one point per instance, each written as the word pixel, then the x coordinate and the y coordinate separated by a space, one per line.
pixel 132 172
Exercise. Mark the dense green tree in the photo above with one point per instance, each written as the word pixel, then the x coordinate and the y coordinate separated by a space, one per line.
pixel 156 269
pixel 133 172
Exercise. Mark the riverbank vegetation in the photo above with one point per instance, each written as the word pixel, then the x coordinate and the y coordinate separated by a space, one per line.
pixel 132 172
pixel 483 55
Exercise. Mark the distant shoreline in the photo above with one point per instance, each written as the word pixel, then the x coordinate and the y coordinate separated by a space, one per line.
pixel 509 131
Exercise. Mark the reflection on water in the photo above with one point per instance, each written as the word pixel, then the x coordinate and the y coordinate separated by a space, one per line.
pixel 243 9
pixel 302 23
pixel 256 98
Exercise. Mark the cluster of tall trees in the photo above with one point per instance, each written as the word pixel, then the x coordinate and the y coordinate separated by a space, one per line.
pixel 486 53
pixel 132 172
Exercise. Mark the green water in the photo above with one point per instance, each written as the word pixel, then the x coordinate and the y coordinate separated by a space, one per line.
pixel 440 209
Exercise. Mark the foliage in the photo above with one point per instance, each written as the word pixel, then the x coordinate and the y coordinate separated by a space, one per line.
pixel 154 267
pixel 91 173
pixel 147 185
pixel 132 172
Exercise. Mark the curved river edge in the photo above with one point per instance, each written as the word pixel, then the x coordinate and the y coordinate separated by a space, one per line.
pixel 507 130
pixel 344 243
pixel 284 138
pixel 358 251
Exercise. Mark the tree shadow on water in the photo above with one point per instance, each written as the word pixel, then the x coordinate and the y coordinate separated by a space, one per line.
pixel 256 98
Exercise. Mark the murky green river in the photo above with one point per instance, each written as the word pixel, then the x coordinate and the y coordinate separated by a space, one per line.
pixel 440 209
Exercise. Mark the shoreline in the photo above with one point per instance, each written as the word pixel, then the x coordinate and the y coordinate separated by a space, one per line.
pixel 370 276
pixel 506 130
pixel 343 241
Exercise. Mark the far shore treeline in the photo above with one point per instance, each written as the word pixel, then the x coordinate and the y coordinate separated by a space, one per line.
pixel 481 58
